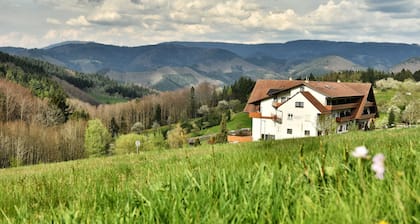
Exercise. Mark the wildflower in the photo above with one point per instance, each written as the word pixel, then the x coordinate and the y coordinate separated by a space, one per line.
pixel 360 152
pixel 378 165
pixel 383 222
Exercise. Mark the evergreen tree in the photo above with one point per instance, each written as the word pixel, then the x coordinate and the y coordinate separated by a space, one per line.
pixel 158 114
pixel 222 136
pixel 114 128
pixel 193 104
pixel 391 118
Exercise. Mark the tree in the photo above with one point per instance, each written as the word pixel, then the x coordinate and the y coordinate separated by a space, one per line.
pixel 242 88
pixel 391 118
pixel 176 137
pixel 97 138
pixel 113 127
pixel 368 76
pixel 127 143
pixel 403 75
pixel 158 114
pixel 193 104
pixel 222 136
pixel 326 124
pixel 411 113
pixel 137 127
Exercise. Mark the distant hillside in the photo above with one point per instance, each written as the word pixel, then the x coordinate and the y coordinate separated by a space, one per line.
pixel 173 65
pixel 163 66
pixel 28 72
pixel 380 56
pixel 324 65
pixel 412 64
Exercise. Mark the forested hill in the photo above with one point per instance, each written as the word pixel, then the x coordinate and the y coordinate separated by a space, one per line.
pixel 51 81
pixel 174 65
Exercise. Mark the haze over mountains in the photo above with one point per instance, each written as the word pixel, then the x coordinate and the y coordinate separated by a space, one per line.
pixel 172 65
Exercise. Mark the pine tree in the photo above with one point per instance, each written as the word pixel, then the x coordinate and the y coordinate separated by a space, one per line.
pixel 193 104
pixel 222 136
pixel 391 118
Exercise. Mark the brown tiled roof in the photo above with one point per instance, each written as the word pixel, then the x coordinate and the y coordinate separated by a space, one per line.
pixel 339 89
pixel 329 89
pixel 315 102
pixel 263 86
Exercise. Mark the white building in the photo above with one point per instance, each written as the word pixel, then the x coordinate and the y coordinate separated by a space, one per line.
pixel 294 108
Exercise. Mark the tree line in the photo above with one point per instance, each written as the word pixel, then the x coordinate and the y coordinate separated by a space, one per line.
pixel 370 75
pixel 39 123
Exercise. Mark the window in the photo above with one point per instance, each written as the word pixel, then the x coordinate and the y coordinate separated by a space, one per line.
pixel 283 98
pixel 302 88
pixel 299 104
pixel 289 116
pixel 289 131
pixel 267 137
pixel 307 132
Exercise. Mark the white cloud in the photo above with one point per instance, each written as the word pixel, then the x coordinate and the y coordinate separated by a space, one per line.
pixel 105 17
pixel 249 21
pixel 79 21
pixel 17 39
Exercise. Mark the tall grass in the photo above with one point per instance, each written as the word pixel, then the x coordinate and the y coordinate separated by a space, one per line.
pixel 311 180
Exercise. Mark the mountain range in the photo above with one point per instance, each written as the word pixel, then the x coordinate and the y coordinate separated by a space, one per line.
pixel 172 65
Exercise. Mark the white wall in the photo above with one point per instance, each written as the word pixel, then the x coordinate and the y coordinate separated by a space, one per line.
pixel 303 119
pixel 321 98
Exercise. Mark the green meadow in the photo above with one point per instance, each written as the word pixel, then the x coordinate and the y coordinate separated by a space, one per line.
pixel 309 180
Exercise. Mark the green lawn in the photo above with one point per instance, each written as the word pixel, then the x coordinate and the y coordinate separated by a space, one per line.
pixel 310 180
pixel 238 121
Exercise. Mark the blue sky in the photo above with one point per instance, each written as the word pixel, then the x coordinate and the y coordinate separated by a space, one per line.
pixel 38 23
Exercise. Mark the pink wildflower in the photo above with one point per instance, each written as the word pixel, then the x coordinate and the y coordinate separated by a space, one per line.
pixel 378 165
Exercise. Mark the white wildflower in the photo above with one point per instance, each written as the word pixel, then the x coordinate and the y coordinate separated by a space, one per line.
pixel 360 152
pixel 378 165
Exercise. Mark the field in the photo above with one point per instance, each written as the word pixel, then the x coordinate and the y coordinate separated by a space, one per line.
pixel 238 121
pixel 311 180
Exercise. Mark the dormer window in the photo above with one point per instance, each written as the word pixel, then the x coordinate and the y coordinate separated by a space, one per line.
pixel 283 98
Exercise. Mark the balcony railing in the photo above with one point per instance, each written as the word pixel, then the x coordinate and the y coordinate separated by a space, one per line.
pixel 342 106
pixel 343 119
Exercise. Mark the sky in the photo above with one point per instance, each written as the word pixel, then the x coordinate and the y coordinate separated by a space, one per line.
pixel 39 23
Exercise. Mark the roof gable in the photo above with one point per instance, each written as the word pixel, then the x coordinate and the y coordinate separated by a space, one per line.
pixel 318 105
pixel 266 88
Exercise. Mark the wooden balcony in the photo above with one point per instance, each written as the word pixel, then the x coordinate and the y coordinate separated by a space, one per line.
pixel 342 106
pixel 258 115
pixel 343 119
pixel 369 104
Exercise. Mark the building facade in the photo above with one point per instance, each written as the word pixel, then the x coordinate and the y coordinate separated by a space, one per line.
pixel 283 109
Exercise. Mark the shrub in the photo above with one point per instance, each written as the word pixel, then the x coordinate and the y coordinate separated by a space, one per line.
pixel 97 138
pixel 126 143
pixel 176 137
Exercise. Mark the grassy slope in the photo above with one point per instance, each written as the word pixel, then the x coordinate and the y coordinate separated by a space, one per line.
pixel 242 183
pixel 238 120
pixel 382 99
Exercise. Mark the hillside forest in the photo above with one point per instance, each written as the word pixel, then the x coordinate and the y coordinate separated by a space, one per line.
pixel 50 114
